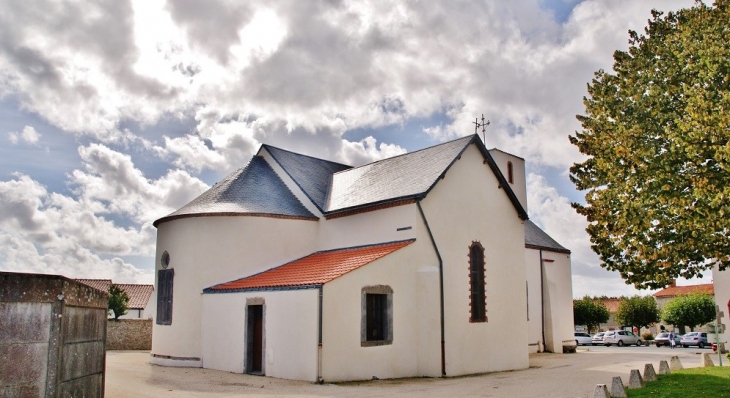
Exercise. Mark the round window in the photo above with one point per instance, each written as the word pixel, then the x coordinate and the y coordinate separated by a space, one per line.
pixel 165 259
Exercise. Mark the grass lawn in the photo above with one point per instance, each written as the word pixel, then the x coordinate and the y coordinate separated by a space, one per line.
pixel 688 383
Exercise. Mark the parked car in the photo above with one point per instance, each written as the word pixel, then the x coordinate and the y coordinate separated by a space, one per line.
pixel 582 338
pixel 597 338
pixel 694 338
pixel 621 338
pixel 663 339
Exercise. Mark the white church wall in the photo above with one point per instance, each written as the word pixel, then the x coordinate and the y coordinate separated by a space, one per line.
pixel 368 228
pixel 466 206
pixel 205 251
pixel 414 350
pixel 721 282
pixel 534 287
pixel 519 181
pixel 290 332
pixel 558 296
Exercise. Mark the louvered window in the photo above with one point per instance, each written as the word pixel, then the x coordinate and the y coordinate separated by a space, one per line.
pixel 165 278
pixel 478 302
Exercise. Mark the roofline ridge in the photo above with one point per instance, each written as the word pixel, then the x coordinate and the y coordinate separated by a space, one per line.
pixel 363 246
pixel 305 155
pixel 505 152
pixel 407 153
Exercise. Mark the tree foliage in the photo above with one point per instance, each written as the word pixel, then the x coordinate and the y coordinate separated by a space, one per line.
pixel 118 301
pixel 690 310
pixel 637 311
pixel 657 136
pixel 589 313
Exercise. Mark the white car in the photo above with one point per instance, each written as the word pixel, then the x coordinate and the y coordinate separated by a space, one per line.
pixel 582 338
pixel 621 338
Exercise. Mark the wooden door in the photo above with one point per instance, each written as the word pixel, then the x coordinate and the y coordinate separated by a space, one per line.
pixel 255 339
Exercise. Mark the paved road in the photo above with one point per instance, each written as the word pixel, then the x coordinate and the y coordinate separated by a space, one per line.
pixel 550 375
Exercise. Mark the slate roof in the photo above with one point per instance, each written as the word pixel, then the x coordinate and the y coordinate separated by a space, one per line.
pixel 253 189
pixel 257 189
pixel 312 175
pixel 139 295
pixel 536 238
pixel 400 177
pixel 674 291
pixel 313 270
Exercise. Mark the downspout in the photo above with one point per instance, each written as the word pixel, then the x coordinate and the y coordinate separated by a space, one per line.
pixel 542 299
pixel 441 287
pixel 319 337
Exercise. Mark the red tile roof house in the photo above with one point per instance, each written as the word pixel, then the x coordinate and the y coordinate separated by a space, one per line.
pixel 669 293
pixel 417 265
pixel 140 297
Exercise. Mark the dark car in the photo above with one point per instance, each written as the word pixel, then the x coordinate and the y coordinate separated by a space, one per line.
pixel 663 339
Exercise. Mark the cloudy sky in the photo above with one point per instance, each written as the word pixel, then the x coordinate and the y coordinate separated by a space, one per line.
pixel 115 113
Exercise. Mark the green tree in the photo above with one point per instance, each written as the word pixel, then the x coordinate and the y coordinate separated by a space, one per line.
pixel 656 133
pixel 637 311
pixel 690 310
pixel 118 301
pixel 589 313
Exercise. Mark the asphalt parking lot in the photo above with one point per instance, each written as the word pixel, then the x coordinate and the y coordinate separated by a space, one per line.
pixel 129 374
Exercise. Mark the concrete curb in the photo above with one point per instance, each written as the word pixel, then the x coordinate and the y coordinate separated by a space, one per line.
pixel 707 360
pixel 600 391
pixel 635 380
pixel 664 368
pixel 649 373
pixel 675 364
pixel 617 388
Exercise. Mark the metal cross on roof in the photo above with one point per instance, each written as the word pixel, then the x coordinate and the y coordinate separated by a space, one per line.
pixel 483 125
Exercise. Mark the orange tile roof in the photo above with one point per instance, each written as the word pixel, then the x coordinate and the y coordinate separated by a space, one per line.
pixel 99 284
pixel 314 269
pixel 139 295
pixel 674 291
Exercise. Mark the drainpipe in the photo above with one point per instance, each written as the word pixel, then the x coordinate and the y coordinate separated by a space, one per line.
pixel 542 299
pixel 319 337
pixel 441 287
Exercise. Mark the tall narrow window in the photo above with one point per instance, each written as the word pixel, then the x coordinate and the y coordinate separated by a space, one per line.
pixel 510 173
pixel 377 316
pixel 165 279
pixel 477 283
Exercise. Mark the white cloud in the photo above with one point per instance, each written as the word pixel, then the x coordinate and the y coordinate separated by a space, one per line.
pixel 28 135
pixel 293 74
pixel 367 150
pixel 49 232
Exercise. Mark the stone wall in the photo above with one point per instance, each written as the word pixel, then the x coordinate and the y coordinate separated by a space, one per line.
pixel 52 336
pixel 129 334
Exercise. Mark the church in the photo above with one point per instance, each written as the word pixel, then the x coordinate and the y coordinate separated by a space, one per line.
pixel 419 265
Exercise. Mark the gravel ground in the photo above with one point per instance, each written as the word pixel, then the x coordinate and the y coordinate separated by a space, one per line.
pixel 129 374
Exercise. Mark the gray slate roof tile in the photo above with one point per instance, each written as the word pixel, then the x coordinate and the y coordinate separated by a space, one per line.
pixel 407 175
pixel 255 188
pixel 312 175
pixel 537 238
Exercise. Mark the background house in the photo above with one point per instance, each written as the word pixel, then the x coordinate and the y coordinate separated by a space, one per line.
pixel 671 292
pixel 140 303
